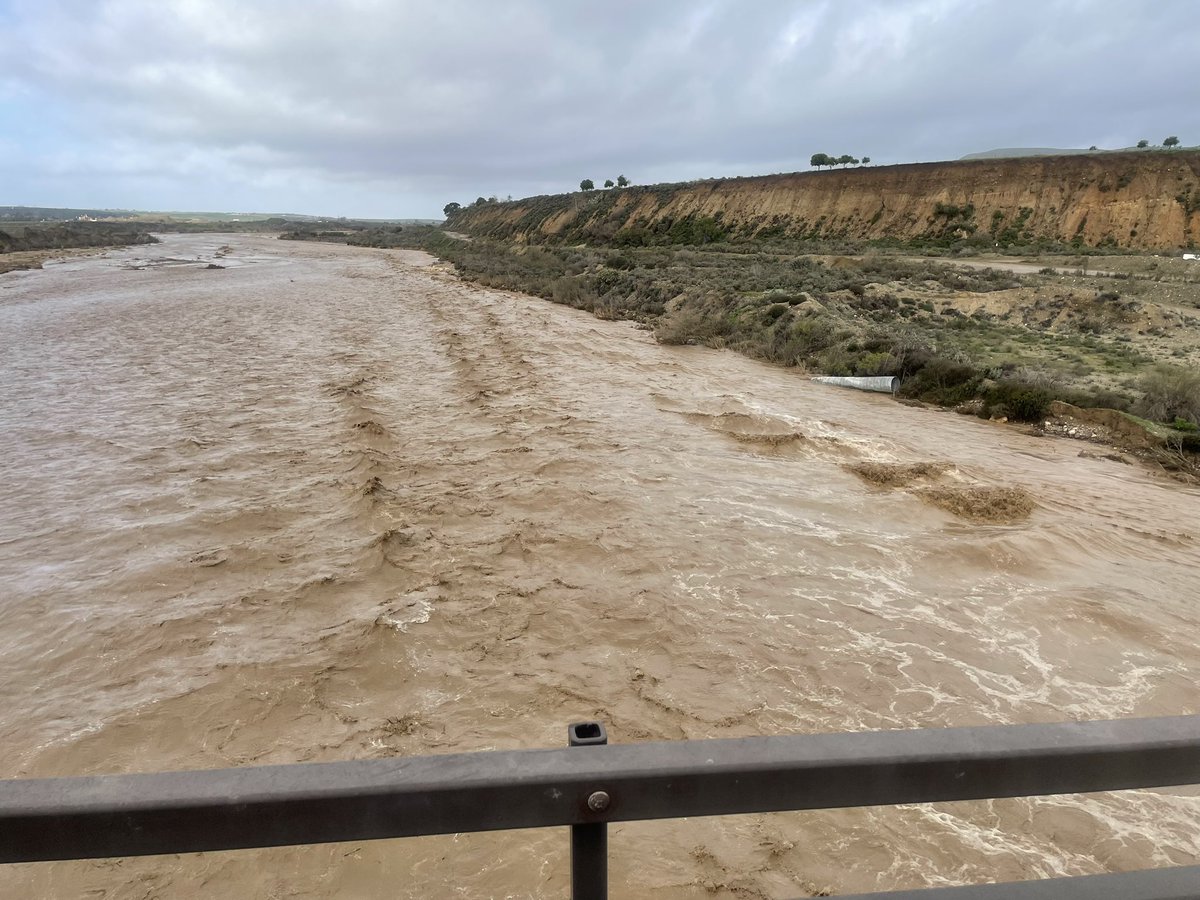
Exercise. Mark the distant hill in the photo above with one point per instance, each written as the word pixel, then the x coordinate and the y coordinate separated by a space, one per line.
pixel 1011 152
pixel 1014 152
pixel 54 214
pixel 59 214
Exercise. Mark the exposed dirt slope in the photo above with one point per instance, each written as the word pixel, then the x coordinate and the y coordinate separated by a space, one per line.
pixel 1136 200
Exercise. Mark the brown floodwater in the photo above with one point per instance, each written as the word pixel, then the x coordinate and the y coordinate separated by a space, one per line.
pixel 331 503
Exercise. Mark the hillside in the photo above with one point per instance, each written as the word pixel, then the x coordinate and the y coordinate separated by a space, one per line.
pixel 1145 201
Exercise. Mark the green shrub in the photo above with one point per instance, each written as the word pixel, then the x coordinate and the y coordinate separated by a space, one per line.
pixel 1018 400
pixel 632 236
pixel 943 381
pixel 684 326
pixel 835 361
pixel 1169 393
pixel 695 230
pixel 878 363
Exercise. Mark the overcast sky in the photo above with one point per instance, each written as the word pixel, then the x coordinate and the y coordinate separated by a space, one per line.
pixel 391 108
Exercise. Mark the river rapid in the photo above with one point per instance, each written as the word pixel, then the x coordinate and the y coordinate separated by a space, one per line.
pixel 331 503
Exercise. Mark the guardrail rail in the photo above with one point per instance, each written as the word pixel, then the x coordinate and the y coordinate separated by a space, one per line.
pixel 589 784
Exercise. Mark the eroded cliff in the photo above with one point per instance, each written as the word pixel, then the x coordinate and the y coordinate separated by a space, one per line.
pixel 1136 200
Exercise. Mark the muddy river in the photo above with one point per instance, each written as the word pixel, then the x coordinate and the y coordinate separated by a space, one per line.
pixel 330 503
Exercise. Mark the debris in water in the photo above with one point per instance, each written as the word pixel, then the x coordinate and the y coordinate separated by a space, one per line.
pixel 994 505
pixel 894 475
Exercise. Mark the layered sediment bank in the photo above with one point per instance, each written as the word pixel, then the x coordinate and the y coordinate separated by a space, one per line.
pixel 1148 200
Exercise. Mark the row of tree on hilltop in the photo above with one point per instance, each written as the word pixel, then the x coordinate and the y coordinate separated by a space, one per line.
pixel 451 208
pixel 588 185
pixel 824 159
pixel 1170 143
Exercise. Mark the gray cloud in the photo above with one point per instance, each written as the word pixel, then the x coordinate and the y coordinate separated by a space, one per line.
pixel 371 107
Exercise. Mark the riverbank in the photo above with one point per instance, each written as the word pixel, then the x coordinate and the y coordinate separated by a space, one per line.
pixel 22 260
pixel 979 338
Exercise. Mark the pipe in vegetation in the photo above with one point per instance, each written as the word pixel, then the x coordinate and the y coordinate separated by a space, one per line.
pixel 884 384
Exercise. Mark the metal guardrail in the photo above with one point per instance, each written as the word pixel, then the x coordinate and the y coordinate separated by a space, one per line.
pixel 589 784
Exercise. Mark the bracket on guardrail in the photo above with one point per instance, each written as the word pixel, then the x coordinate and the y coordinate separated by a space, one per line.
pixel 589 843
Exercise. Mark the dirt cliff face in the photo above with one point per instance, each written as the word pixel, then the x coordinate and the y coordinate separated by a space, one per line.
pixel 1135 200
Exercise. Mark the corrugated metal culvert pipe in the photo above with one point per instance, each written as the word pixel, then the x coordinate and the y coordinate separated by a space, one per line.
pixel 885 384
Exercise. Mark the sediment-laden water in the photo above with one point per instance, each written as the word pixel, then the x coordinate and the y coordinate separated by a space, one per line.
pixel 330 503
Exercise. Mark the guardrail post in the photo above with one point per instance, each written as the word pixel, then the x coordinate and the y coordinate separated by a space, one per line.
pixel 589 843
